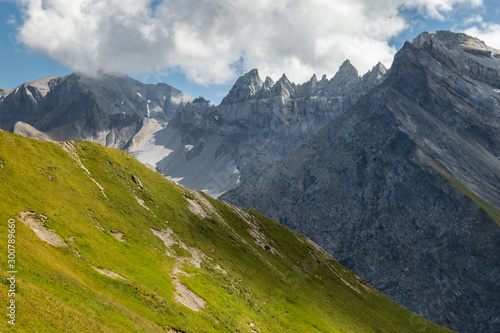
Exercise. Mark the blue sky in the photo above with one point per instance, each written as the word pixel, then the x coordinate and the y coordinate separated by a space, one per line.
pixel 201 50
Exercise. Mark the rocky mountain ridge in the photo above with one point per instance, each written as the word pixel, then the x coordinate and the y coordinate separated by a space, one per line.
pixel 257 124
pixel 108 109
pixel 346 81
pixel 200 145
pixel 403 187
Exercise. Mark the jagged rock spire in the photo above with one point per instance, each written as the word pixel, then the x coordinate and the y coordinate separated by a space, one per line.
pixel 284 87
pixel 345 76
pixel 266 90
pixel 245 87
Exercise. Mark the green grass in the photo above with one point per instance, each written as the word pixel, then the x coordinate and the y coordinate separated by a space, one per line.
pixel 295 288
pixel 491 210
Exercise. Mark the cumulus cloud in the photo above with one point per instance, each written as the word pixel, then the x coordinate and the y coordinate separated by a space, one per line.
pixel 486 31
pixel 211 41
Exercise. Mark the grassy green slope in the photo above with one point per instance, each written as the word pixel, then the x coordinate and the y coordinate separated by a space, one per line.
pixel 249 273
pixel 491 210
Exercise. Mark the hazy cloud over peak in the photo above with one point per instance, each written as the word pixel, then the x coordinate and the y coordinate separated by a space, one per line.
pixel 211 41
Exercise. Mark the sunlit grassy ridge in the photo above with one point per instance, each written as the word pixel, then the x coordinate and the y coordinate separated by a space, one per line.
pixel 251 273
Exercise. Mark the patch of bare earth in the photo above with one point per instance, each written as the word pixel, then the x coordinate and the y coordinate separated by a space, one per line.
pixel 142 203
pixel 37 223
pixel 202 207
pixel 182 293
pixel 108 273
pixel 118 235
pixel 188 298
pixel 167 236
pixel 69 147
pixel 254 230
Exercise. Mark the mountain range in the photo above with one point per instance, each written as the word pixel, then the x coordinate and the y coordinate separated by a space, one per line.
pixel 201 146
pixel 395 173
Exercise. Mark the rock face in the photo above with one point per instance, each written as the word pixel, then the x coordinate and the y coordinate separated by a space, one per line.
pixel 4 93
pixel 201 146
pixel 108 109
pixel 245 88
pixel 214 148
pixel 383 186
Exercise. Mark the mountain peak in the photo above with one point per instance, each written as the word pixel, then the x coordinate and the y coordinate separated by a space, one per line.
pixel 464 54
pixel 449 38
pixel 269 81
pixel 380 67
pixel 460 41
pixel 345 76
pixel 347 69
pixel 244 88
pixel 283 78
pixel 284 87
pixel 374 76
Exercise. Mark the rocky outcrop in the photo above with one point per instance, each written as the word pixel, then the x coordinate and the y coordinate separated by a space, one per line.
pixel 107 109
pixel 4 93
pixel 387 187
pixel 244 88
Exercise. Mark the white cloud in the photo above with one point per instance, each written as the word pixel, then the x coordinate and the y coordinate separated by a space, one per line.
pixel 487 32
pixel 439 9
pixel 210 40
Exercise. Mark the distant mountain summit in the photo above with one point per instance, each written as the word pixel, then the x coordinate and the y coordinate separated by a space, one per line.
pixel 107 109
pixel 404 187
pixel 346 81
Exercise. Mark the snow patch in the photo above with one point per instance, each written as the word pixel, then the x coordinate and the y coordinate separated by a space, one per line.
pixel 236 171
pixel 157 109
pixel 188 147
pixel 497 91
pixel 151 153
pixel 216 118
pixel 176 180
pixel 139 94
